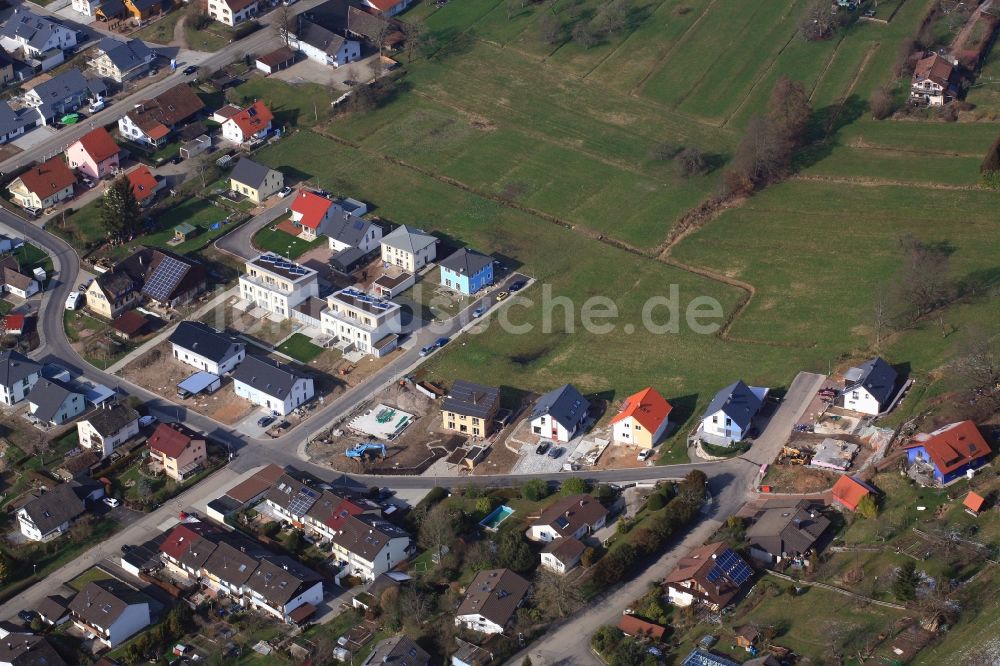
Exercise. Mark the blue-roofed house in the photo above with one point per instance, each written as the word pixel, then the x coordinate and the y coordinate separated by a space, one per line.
pixel 869 388
pixel 559 414
pixel 730 414
pixel 466 271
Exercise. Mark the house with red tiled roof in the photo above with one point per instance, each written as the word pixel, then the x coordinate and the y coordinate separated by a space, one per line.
pixel 144 184
pixel 13 324
pixel 850 490
pixel 630 625
pixel 387 8
pixel 933 81
pixel 151 121
pixel 312 213
pixel 43 185
pixel 232 12
pixel 95 154
pixel 946 454
pixel 180 452
pixel 642 420
pixel 253 122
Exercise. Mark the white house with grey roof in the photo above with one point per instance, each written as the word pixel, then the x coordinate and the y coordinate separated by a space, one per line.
pixel 254 180
pixel 53 402
pixel 559 414
pixel 277 284
pixel 64 92
pixel 110 610
pixel 362 321
pixel 201 346
pixel 323 46
pixel 107 428
pixel 122 60
pixel 34 35
pixel 870 387
pixel 729 416
pixel 397 650
pixel 271 385
pixel 408 248
pixel 491 601
pixel 18 374
pixel 15 123
pixel 368 545
pixel 49 514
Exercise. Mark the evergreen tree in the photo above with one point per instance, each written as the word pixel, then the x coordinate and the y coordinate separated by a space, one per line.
pixel 904 585
pixel 120 212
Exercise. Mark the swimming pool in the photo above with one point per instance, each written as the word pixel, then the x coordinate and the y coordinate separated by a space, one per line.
pixel 497 516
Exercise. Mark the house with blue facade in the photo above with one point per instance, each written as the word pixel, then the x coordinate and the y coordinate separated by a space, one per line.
pixel 467 271
pixel 946 454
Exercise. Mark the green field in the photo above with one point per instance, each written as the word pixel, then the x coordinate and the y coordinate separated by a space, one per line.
pixel 276 240
pixel 300 348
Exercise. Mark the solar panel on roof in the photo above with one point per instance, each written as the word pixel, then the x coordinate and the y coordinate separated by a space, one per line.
pixel 732 567
pixel 165 279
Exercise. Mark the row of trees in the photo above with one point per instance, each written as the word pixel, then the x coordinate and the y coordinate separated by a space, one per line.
pixel 612 17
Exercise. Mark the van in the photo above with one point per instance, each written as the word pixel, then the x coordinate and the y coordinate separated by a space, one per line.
pixel 73 300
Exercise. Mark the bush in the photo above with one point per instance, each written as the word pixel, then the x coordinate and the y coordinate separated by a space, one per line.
pixel 691 162
pixel 436 494
pixel 655 502
pixel 535 490
pixel 484 505
pixel 588 557
pixel 573 486
pixel 271 528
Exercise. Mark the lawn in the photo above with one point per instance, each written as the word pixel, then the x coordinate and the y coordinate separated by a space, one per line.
pixel 300 348
pixel 296 105
pixel 31 257
pixel 89 576
pixel 75 322
pixel 276 240
pixel 81 228
pixel 213 37
pixel 162 31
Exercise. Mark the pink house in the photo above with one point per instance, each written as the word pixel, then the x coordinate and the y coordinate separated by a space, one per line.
pixel 94 155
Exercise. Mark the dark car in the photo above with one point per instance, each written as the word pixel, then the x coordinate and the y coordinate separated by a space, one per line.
pixel 190 69
pixel 556 452
pixel 517 286
pixel 265 421
pixel 424 351
pixel 126 548
pixel 542 448
pixel 441 342
pixel 27 615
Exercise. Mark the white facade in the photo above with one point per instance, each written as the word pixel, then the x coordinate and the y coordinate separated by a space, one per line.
pixel 23 293
pixel 477 622
pixel 202 363
pixel 553 563
pixel 391 11
pixel 858 399
pixel 86 7
pixel 61 38
pixel 133 619
pixel 93 440
pixel 348 318
pixel 312 595
pixel 301 393
pixel 268 286
pixel 722 426
pixel 679 596
pixel 11 395
pixel 31 531
pixel 408 261
pixel 369 243
pixel 547 427
pixel 348 52
pixel 222 12
pixel 391 554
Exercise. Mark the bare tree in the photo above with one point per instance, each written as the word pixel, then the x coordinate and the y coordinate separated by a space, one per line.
pixel 761 157
pixel 924 282
pixel 284 24
pixel 881 317
pixel 414 604
pixel 977 368
pixel 789 110
pixel 549 27
pixel 819 20
pixel 437 528
pixel 583 34
pixel 881 103
pixel 556 594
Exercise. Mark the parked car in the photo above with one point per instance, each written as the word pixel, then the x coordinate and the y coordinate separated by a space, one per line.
pixel 190 69
pixel 126 548
pixel 284 192
pixel 517 286
pixel 424 351
pixel 83 285
pixel 542 448
pixel 111 501
pixel 644 454
pixel 441 342
pixel 556 451
pixel 478 312
pixel 265 421
pixel 502 295
pixel 73 300
pixel 147 420
pixel 96 106
pixel 27 615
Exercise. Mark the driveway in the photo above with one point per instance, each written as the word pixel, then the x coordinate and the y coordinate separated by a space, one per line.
pixel 32 138
pixel 313 72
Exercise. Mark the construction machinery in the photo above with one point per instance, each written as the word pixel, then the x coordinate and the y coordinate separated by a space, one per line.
pixel 366 450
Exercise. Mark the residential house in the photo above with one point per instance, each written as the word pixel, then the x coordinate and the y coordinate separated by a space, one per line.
pixel 366 323
pixel 272 386
pixel 285 588
pixel 314 215
pixel 110 610
pixel 144 185
pixel 34 35
pixel 86 7
pixel 18 374
pixel 143 10
pixel 630 625
pixel 466 271
pixel 26 649
pixel 14 281
pixel 111 293
pixel 43 185
pixel 575 516
pixel 291 499
pixel 491 600
pixel 322 45
pixel 53 402
pixel 327 514
pixel 6 68
pixel 168 279
pixel 277 284
pixel 152 120
pixel 179 451
pixel 711 575
pixel 786 529
pixel 933 81
pixel 642 420
pixel 974 504
pixel 255 181
pixel 848 491
pixel 399 650
pixel 95 154
pixel 122 61
pixel 107 428
pixel 13 324
pixel 63 93
pixel 470 654
pixel 53 609
pixel 387 7
pixel 187 547
pixel 559 414
pixel 250 124
pixel 232 12
pixel 202 347
pixel 947 454
pixel 367 546
pixel 870 387
pixel 408 248
pixel 352 238
pixel 561 555
pixel 730 415
pixel 470 408
pixel 48 515
pixel 256 487
pixel 130 325
pixel 14 123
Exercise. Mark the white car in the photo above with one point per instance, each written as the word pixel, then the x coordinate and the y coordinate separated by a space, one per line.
pixel 284 192
pixel 96 106
pixel 73 300
pixel 147 421
pixel 644 454
pixel 111 501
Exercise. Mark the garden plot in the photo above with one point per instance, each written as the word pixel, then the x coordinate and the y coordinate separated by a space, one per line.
pixel 382 422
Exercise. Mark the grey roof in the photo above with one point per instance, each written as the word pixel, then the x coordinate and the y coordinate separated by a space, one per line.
pixel 232 563
pixel 495 594
pixel 279 579
pixel 71 83
pixel 565 405
pixel 102 602
pixel 699 657
pixel 348 229
pixel 126 55
pixel 15 366
pixel 781 528
pixel 271 378
pixel 30 28
pixel 112 419
pixel 472 399
pixel 287 489
pixel 48 395
pixel 366 535
pixel 737 402
pixel 878 378
pixel 28 650
pixel 466 262
pixel 398 651
pixel 319 37
pixel 204 340
pixel 408 239
pixel 55 507
pixel 52 607
pixel 250 173
pixel 10 120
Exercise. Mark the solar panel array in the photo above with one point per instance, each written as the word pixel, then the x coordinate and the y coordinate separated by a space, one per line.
pixel 732 566
pixel 373 301
pixel 302 501
pixel 280 262
pixel 165 278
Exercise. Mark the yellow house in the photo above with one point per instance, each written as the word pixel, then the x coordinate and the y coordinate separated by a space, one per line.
pixel 179 453
pixel 111 293
pixel 642 420
pixel 255 181
pixel 43 185
pixel 470 409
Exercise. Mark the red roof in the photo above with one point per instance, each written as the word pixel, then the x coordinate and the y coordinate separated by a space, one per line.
pixel 253 119
pixel 169 440
pixel 312 208
pixel 383 5
pixel 48 177
pixel 633 626
pixel 647 407
pixel 13 322
pixel 953 446
pixel 130 323
pixel 182 537
pixel 974 502
pixel 849 491
pixel 143 183
pixel 99 144
pixel 344 509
